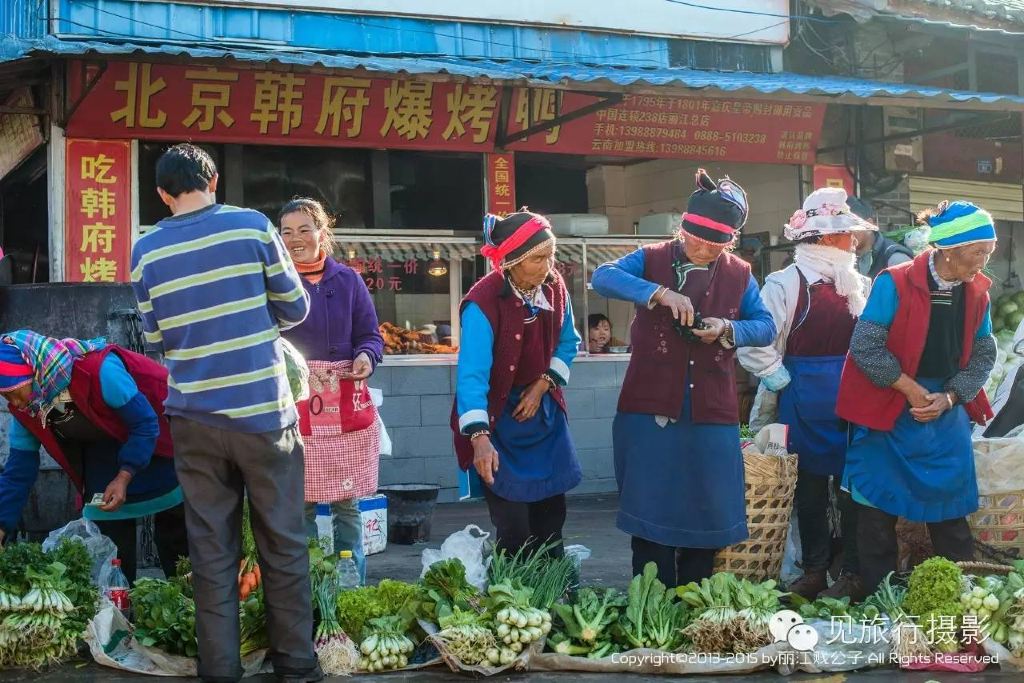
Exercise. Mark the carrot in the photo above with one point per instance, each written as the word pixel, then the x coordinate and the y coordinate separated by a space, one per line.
pixel 257 572
pixel 244 593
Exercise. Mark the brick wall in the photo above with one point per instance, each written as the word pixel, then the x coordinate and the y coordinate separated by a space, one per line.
pixel 417 407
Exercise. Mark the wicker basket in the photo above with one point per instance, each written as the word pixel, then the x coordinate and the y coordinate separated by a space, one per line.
pixel 984 568
pixel 770 483
pixel 998 527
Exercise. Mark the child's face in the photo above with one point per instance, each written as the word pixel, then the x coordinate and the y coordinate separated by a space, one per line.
pixel 600 334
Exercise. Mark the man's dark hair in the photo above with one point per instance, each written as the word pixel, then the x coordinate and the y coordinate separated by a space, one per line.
pixel 184 168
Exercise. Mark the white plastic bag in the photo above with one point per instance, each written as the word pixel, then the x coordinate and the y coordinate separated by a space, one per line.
pixel 793 554
pixel 468 547
pixel 377 396
pixel 101 549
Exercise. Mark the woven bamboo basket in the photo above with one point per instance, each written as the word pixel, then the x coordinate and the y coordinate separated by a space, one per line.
pixel 770 483
pixel 984 568
pixel 998 527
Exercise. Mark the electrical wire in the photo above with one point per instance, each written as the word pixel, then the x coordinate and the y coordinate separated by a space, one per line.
pixel 807 17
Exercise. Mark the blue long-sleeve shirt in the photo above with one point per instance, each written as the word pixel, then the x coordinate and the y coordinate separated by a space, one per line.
pixel 476 359
pixel 121 394
pixel 624 279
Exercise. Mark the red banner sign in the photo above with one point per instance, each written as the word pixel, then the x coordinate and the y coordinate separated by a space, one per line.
pixel 652 126
pixel 215 104
pixel 98 205
pixel 172 102
pixel 501 184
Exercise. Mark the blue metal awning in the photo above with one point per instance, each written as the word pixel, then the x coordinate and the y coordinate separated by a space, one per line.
pixel 594 76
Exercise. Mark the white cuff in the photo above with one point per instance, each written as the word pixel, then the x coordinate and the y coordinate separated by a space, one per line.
pixel 474 417
pixel 559 367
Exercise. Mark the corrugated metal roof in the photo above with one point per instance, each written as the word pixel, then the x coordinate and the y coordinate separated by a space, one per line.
pixel 537 73
pixel 1010 10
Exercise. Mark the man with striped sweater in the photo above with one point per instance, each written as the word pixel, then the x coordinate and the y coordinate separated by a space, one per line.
pixel 215 287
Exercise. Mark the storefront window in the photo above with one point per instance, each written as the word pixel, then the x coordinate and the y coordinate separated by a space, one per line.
pixel 416 287
pixel 612 316
pixel 336 177
pixel 436 191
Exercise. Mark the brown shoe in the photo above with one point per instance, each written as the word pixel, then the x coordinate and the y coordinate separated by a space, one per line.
pixel 846 586
pixel 810 584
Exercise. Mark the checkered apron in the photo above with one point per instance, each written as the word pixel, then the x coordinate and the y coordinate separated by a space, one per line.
pixel 340 465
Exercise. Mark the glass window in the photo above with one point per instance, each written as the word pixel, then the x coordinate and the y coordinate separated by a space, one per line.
pixel 436 191
pixel 337 177
pixel 415 287
pixel 607 327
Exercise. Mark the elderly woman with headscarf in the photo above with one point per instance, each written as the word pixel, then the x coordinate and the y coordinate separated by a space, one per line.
pixel 815 303
pixel 920 355
pixel 98 410
pixel 676 435
pixel 509 418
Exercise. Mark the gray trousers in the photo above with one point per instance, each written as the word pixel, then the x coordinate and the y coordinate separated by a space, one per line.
pixel 215 469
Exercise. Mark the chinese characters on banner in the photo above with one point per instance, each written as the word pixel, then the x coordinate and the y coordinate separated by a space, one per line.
pixel 652 126
pixel 501 184
pixel 386 276
pixel 98 205
pixel 214 103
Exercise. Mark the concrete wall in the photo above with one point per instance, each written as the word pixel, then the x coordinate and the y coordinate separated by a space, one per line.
pixel 627 193
pixel 417 408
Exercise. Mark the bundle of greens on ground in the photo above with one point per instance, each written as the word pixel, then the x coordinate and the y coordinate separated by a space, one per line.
pixel 653 618
pixel 356 607
pixel 996 604
pixel 385 646
pixel 933 599
pixel 467 636
pixel 550 578
pixel 837 610
pixel 45 601
pixel 731 615
pixel 443 589
pixel 517 623
pixel 165 617
pixel 583 628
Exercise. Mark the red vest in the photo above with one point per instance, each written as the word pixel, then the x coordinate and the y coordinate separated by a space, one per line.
pixel 864 403
pixel 86 394
pixel 662 358
pixel 504 311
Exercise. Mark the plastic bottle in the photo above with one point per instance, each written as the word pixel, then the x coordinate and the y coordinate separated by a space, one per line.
pixel 325 526
pixel 116 588
pixel 345 571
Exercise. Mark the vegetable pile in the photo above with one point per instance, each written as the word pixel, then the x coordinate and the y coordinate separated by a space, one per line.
pixel 584 627
pixel 732 614
pixel 385 646
pixel 45 602
pixel 653 617
pixel 933 597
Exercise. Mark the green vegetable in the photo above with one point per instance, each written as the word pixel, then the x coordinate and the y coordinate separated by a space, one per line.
pixel 933 596
pixel 653 618
pixel 592 612
pixel 466 637
pixel 548 577
pixel 164 617
pixel 357 606
pixel 385 646
pixel 443 589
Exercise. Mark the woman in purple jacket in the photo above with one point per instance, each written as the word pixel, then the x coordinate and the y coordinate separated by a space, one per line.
pixel 341 333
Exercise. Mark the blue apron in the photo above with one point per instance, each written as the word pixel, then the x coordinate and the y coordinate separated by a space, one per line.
pixel 536 458
pixel 923 472
pixel 808 406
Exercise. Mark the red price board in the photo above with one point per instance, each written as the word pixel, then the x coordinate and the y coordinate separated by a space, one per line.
pixel 98 211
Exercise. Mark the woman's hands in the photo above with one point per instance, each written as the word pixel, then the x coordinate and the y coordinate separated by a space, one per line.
pixel 117 492
pixel 925 406
pixel 681 306
pixel 485 459
pixel 362 368
pixel 529 402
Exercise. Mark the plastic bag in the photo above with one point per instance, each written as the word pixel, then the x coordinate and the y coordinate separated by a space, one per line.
pixel 840 645
pixel 101 549
pixel 999 464
pixel 467 546
pixel 385 441
pixel 111 644
pixel 578 553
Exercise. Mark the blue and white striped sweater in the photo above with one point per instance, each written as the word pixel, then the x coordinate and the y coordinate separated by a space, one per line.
pixel 215 288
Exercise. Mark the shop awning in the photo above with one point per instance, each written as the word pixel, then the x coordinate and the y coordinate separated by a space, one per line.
pixel 547 73
pixel 395 249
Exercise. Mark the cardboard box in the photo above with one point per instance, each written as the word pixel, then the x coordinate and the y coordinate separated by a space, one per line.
pixel 373 512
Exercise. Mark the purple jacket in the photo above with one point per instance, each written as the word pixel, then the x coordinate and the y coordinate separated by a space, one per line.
pixel 342 322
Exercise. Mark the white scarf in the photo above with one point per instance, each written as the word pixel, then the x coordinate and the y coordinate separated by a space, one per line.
pixel 837 266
